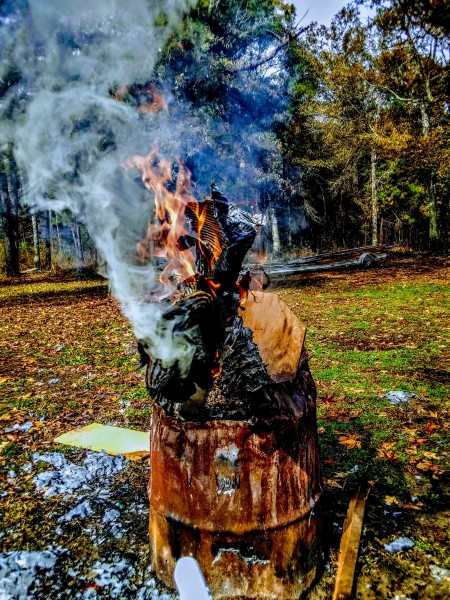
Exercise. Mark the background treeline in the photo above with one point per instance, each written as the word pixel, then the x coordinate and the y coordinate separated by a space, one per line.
pixel 339 136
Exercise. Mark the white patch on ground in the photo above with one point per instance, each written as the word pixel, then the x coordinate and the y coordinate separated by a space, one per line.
pixel 110 516
pixel 88 493
pixel 20 428
pixel 82 510
pixel 440 575
pixel 113 576
pixel 69 478
pixel 19 572
pixel 400 544
pixel 399 397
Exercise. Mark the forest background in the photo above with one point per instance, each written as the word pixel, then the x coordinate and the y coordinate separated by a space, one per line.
pixel 346 128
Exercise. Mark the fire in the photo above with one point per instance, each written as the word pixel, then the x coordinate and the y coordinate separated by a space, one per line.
pixel 184 231
pixel 173 233
pixel 148 98
pixel 217 368
pixel 169 225
pixel 155 102
pixel 213 287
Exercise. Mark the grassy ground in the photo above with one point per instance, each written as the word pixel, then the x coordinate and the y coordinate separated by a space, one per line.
pixel 67 358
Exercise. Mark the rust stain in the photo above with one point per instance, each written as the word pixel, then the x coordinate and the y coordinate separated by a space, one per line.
pixel 205 473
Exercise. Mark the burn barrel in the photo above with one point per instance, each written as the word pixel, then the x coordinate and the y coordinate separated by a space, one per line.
pixel 241 494
pixel 241 498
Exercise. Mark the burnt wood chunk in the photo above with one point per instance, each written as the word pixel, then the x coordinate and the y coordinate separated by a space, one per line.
pixel 278 334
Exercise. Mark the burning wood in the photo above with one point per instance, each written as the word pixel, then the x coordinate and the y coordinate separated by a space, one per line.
pixel 199 247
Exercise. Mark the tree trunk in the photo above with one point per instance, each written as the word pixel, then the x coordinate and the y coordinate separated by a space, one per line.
pixel 374 204
pixel 288 206
pixel 37 256
pixel 48 239
pixel 9 205
pixel 58 236
pixel 433 231
pixel 76 234
pixel 80 242
pixel 275 230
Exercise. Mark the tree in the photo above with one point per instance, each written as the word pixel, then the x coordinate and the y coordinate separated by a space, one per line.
pixel 9 211
pixel 334 130
pixel 412 74
pixel 369 126
pixel 225 68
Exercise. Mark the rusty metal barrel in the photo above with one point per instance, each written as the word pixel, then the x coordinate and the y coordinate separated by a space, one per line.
pixel 241 497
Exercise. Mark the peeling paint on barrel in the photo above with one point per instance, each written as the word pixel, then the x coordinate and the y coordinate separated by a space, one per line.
pixel 227 469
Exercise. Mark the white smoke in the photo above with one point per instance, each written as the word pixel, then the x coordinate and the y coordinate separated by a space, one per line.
pixel 70 137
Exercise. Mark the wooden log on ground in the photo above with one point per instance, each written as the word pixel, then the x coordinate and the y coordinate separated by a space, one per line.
pixel 348 551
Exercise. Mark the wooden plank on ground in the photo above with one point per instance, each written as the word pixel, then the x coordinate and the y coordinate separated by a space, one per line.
pixel 348 551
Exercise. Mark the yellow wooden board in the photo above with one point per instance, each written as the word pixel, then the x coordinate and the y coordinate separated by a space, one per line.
pixel 113 440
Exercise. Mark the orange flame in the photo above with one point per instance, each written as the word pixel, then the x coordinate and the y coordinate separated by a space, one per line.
pixel 161 239
pixel 217 368
pixel 213 287
pixel 153 102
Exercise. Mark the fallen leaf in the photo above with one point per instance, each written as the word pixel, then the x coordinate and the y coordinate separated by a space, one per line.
pixel 332 483
pixel 425 465
pixel 411 432
pixel 391 500
pixel 387 454
pixel 350 441
pixel 328 399
pixel 429 454
pixel 412 506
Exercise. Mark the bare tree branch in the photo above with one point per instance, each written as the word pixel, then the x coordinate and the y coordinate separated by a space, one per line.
pixel 284 41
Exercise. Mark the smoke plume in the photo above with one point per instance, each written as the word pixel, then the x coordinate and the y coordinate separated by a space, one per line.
pixel 62 61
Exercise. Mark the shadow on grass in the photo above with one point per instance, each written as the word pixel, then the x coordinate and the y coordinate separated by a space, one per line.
pixel 56 297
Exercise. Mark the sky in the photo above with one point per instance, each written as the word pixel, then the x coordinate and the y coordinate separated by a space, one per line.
pixel 321 11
